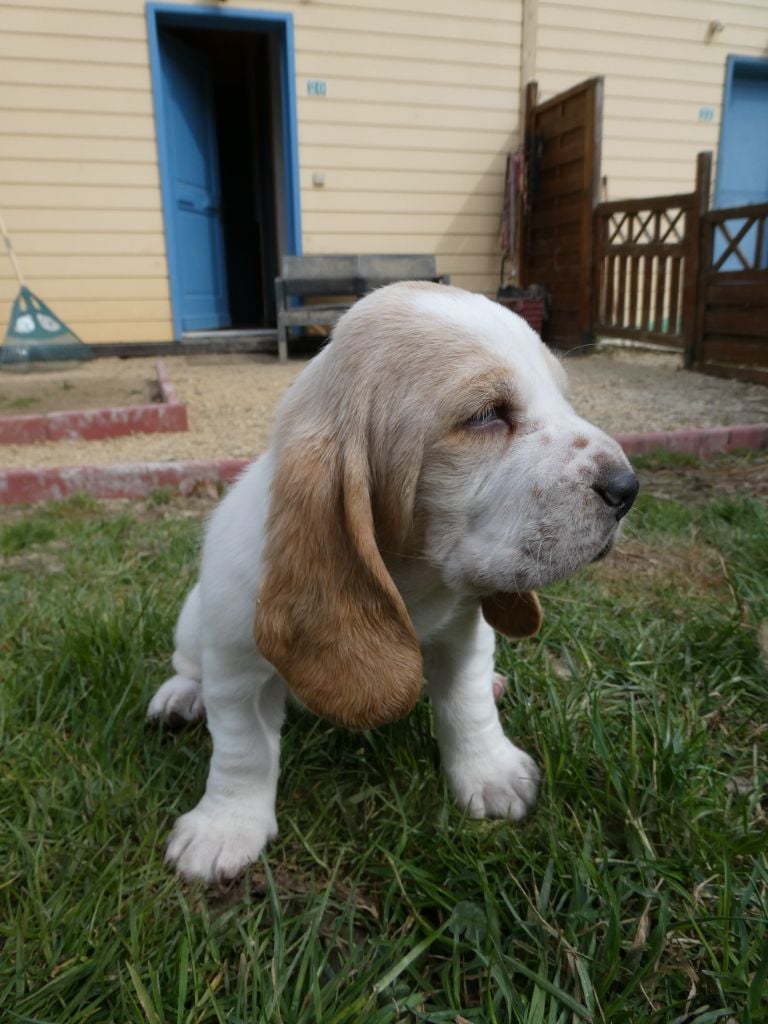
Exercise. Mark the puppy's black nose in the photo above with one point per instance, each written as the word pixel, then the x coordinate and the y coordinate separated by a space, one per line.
pixel 618 489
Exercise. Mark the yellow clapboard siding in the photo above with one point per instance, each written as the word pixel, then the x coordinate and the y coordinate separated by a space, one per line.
pixel 330 42
pixel 384 161
pixel 486 284
pixel 133 330
pixel 639 111
pixel 583 63
pixel 110 52
pixel 654 92
pixel 629 27
pixel 75 197
pixel 383 224
pixel 659 69
pixel 73 22
pixel 408 203
pixel 743 11
pixel 55 221
pixel 61 73
pixel 55 290
pixel 77 172
pixel 98 243
pixel 422 105
pixel 486 10
pixel 372 184
pixel 39 149
pixel 38 267
pixel 480 9
pixel 415 116
pixel 67 98
pixel 441 244
pixel 420 139
pixel 400 97
pixel 383 69
pixel 98 126
pixel 97 311
pixel 377 23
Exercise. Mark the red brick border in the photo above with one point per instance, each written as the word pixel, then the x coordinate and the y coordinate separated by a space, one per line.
pixel 28 486
pixel 700 441
pixel 95 424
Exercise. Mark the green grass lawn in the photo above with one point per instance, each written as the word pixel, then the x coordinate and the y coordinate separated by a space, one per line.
pixel 636 891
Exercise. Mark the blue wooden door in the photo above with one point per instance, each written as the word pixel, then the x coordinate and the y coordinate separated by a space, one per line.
pixel 742 175
pixel 201 282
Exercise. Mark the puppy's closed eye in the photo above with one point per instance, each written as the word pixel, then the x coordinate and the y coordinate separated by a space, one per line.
pixel 494 416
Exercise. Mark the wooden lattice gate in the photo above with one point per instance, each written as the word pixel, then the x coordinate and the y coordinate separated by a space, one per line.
pixel 646 253
pixel 730 335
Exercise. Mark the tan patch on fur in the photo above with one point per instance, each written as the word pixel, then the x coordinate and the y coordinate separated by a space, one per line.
pixel 328 615
pixel 513 615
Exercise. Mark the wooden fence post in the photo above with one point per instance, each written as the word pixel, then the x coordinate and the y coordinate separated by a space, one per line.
pixel 524 235
pixel 694 236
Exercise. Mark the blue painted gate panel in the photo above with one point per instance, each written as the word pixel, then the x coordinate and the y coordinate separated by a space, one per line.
pixel 188 96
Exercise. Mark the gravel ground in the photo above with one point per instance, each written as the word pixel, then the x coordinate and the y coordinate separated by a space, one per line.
pixel 231 401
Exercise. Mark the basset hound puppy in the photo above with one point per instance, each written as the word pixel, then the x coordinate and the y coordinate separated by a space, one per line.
pixel 426 475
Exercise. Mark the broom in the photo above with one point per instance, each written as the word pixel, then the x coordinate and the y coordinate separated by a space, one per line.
pixel 35 334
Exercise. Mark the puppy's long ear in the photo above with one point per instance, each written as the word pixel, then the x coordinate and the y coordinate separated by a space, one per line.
pixel 513 615
pixel 328 615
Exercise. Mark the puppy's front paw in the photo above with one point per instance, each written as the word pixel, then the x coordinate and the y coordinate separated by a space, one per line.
pixel 178 702
pixel 499 783
pixel 217 840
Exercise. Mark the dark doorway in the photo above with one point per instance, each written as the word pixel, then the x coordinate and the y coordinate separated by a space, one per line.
pixel 239 67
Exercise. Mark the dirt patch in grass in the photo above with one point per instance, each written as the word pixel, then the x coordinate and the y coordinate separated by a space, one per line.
pixel 101 383
pixel 699 482
pixel 690 568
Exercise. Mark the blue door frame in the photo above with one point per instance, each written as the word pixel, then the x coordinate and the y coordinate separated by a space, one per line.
pixel 281 26
pixel 739 70
pixel 742 158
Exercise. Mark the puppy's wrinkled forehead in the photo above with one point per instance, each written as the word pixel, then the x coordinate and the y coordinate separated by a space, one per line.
pixel 483 332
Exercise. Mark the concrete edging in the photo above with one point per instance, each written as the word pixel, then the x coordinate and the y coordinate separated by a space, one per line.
pixel 165 416
pixel 29 486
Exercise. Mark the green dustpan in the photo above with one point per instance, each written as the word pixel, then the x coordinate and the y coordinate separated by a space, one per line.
pixel 35 334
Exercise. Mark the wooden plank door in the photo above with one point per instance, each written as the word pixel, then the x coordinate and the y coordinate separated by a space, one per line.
pixel 199 250
pixel 562 148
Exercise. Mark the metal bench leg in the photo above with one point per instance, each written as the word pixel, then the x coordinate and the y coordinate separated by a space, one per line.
pixel 282 340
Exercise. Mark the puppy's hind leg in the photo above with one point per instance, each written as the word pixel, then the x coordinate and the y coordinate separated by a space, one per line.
pixel 179 701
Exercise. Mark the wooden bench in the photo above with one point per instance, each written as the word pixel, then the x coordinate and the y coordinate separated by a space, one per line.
pixel 341 280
